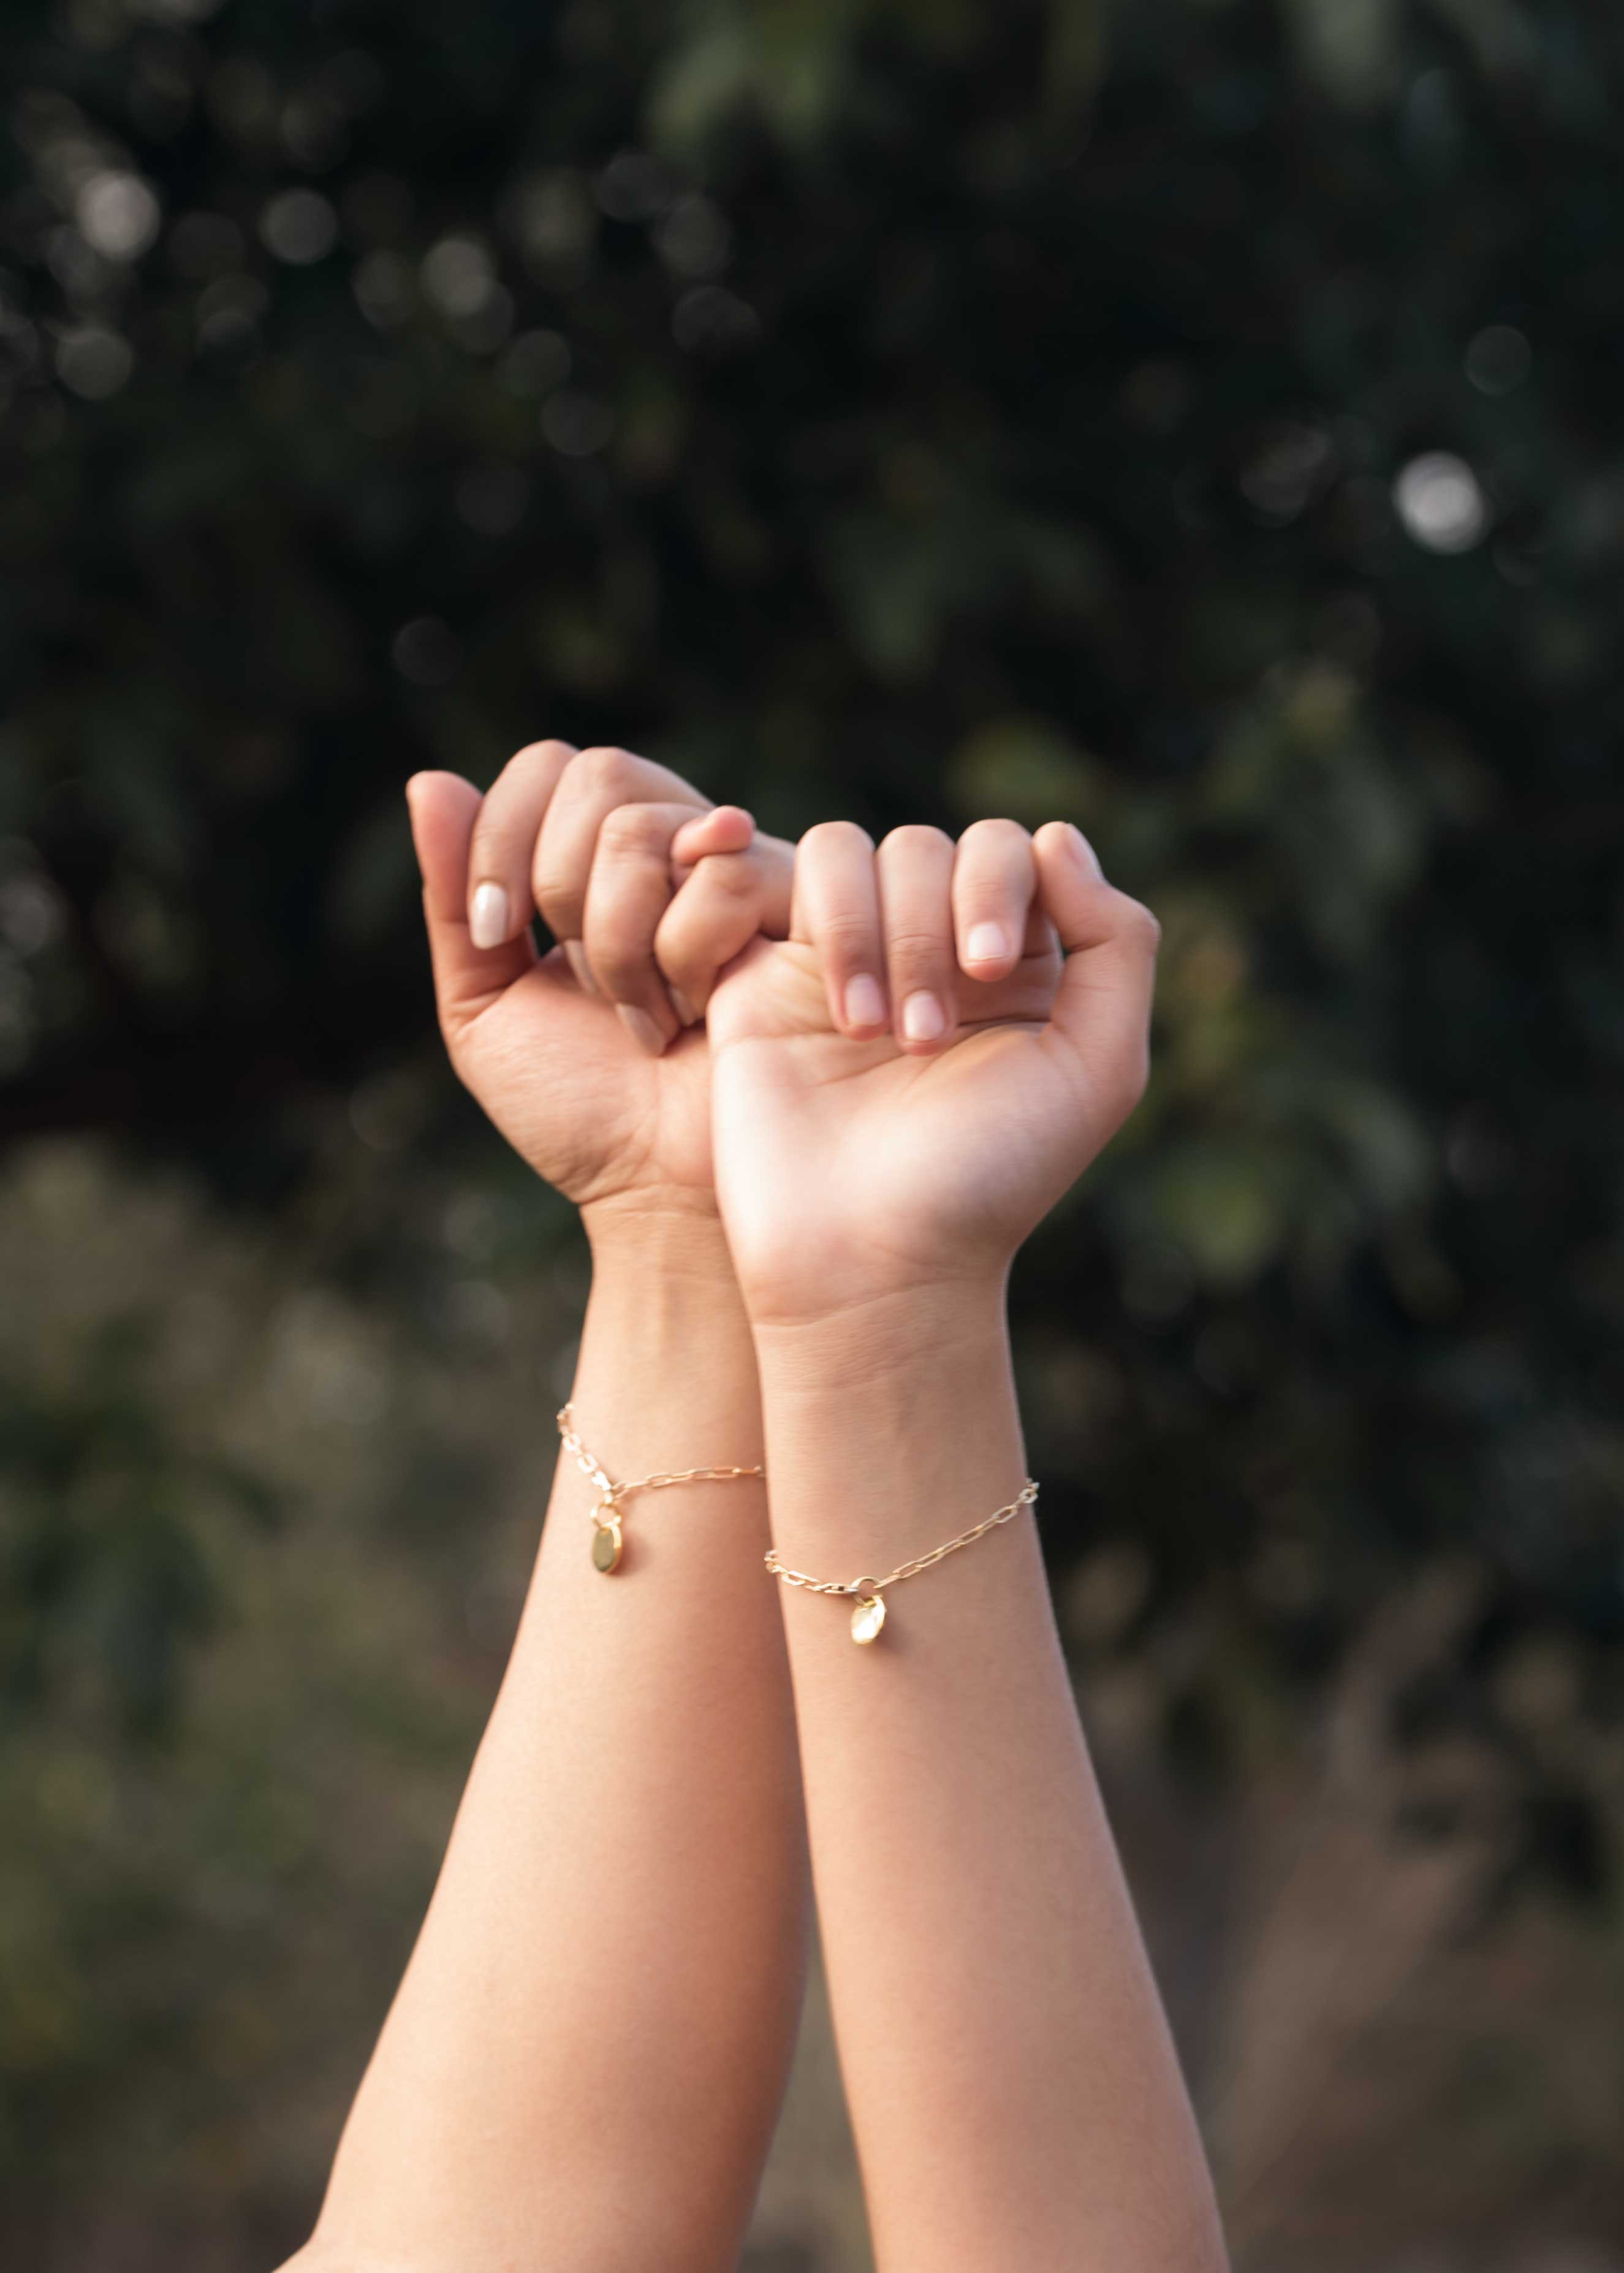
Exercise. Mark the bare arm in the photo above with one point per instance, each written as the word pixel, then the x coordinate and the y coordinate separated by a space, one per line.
pixel 585 2058
pixel 584 2064
pixel 1014 2090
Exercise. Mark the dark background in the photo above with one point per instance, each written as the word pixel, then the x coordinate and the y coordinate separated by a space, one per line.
pixel 1196 418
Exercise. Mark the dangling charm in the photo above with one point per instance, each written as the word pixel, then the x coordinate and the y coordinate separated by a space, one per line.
pixel 607 1544
pixel 868 1617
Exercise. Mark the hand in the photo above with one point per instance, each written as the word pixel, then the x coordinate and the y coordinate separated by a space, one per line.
pixel 904 1087
pixel 580 1057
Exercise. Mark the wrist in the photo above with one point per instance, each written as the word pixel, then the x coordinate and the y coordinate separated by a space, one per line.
pixel 666 1372
pixel 888 1426
pixel 662 1275
pixel 676 1236
pixel 886 1348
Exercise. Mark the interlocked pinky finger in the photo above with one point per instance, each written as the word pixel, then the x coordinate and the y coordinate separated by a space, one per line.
pixel 627 893
pixel 721 907
pixel 837 910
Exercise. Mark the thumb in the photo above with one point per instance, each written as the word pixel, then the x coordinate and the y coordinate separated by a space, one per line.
pixel 467 979
pixel 1100 1024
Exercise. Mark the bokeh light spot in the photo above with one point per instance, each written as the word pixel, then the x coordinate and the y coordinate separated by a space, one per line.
pixel 299 227
pixel 1439 500
pixel 118 215
pixel 458 276
pixel 93 361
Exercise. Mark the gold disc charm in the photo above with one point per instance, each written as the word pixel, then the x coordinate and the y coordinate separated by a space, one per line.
pixel 868 1618
pixel 606 1542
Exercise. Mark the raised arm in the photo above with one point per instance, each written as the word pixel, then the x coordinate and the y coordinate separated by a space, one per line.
pixel 582 2064
pixel 902 1090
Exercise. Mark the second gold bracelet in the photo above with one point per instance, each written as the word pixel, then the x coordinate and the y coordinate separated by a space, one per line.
pixel 869 1607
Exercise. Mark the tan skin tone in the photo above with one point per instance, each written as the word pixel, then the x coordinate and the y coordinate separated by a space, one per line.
pixel 584 2060
pixel 582 2064
pixel 588 839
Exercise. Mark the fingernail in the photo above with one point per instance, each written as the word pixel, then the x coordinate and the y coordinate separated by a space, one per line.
pixel 865 1005
pixel 683 1008
pixel 642 1029
pixel 488 916
pixel 575 954
pixel 988 942
pixel 922 1018
pixel 1087 850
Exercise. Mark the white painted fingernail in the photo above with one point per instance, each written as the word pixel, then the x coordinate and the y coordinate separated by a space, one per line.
pixel 683 1008
pixel 575 954
pixel 865 1005
pixel 988 942
pixel 923 1018
pixel 488 916
pixel 642 1029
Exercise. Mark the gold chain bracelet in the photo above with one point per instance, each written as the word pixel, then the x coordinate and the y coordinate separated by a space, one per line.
pixel 608 1540
pixel 869 1611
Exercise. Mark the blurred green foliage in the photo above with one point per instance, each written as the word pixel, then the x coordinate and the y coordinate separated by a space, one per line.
pixel 1197 418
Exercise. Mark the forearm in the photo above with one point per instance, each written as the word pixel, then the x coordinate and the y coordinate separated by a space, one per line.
pixel 1013 2089
pixel 586 2055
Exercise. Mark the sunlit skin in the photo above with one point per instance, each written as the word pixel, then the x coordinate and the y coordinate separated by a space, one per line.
pixel 1014 2092
pixel 808 1109
pixel 852 1166
pixel 583 2063
pixel 594 840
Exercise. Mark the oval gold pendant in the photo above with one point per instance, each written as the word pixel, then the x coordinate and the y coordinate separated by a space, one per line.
pixel 607 1545
pixel 868 1618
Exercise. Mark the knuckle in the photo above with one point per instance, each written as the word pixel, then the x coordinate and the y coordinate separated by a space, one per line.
pixel 494 823
pixel 509 804
pixel 995 835
pixel 1058 832
pixel 826 837
pixel 548 752
pixel 634 832
pixel 917 949
pixel 603 771
pixel 915 837
pixel 848 943
pixel 557 897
